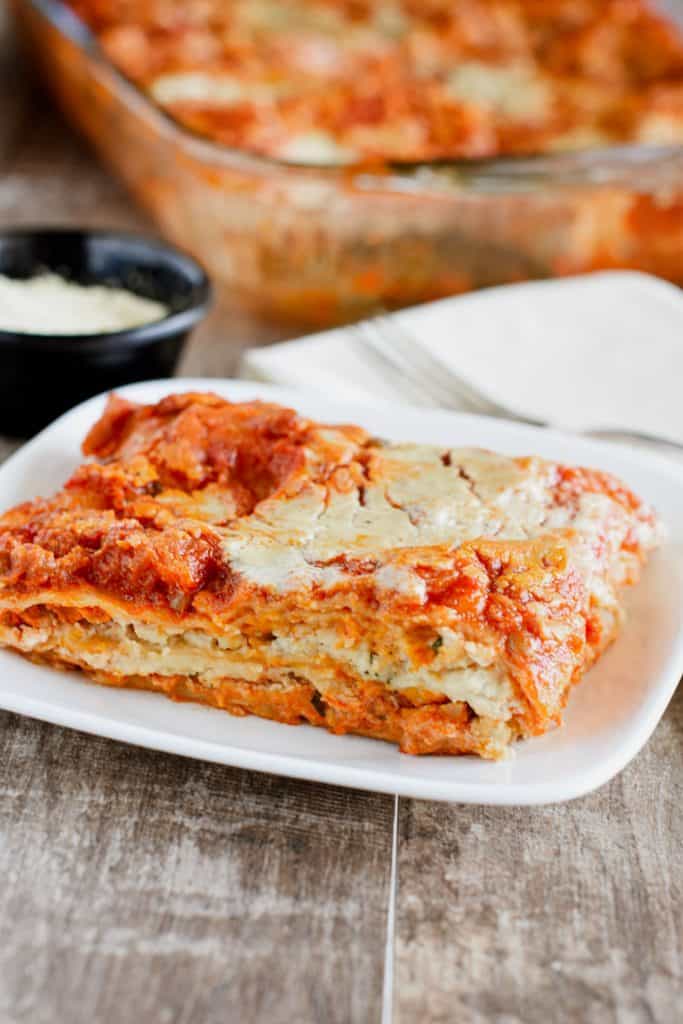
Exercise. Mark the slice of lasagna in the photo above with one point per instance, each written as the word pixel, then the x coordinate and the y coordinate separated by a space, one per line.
pixel 249 558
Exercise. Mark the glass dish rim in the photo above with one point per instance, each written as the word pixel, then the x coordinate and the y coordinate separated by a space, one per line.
pixel 605 166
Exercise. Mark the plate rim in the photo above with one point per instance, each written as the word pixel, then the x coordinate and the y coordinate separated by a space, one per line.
pixel 380 779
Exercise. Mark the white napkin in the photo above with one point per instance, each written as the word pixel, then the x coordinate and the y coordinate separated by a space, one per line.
pixel 602 350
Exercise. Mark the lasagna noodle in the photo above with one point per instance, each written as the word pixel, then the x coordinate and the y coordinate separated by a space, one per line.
pixel 243 556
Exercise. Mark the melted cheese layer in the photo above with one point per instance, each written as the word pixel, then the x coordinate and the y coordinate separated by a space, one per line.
pixel 418 496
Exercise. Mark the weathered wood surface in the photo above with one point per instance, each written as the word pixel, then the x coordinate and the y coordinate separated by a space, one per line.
pixel 552 914
pixel 136 886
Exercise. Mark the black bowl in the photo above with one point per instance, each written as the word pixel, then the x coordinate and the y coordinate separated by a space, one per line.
pixel 42 375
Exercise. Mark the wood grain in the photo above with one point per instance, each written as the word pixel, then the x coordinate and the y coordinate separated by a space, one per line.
pixel 143 887
pixel 536 915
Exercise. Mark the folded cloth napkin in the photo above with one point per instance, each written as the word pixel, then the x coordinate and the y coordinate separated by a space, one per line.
pixel 603 350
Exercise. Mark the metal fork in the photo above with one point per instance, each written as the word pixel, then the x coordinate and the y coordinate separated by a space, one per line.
pixel 423 379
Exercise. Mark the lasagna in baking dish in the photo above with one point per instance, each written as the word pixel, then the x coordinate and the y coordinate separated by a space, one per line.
pixel 352 81
pixel 243 556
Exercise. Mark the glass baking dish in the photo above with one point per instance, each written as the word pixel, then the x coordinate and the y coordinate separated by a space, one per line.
pixel 315 246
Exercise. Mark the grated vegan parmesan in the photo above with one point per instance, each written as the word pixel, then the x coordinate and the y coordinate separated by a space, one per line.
pixel 49 304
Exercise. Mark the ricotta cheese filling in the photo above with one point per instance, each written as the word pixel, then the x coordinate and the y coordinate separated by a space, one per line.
pixel 517 92
pixel 49 304
pixel 317 149
pixel 462 671
pixel 212 89
pixel 197 87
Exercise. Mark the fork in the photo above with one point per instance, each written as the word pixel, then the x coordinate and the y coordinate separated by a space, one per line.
pixel 423 379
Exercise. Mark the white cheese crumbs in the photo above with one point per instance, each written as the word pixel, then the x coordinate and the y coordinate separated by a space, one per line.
pixel 583 137
pixel 660 129
pixel 401 580
pixel 317 149
pixel 49 304
pixel 390 20
pixel 212 89
pixel 510 91
pixel 196 87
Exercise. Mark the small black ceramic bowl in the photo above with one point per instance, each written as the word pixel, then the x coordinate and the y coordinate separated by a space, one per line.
pixel 42 375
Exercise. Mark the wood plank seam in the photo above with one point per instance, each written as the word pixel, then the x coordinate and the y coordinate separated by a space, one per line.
pixel 388 982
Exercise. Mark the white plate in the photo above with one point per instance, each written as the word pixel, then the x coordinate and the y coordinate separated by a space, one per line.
pixel 610 716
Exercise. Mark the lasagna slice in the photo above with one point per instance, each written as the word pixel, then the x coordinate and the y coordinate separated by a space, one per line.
pixel 246 557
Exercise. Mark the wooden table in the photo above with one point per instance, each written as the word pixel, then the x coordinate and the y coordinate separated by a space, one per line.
pixel 138 887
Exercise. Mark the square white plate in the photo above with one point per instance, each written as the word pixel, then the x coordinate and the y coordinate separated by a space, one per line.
pixel 610 716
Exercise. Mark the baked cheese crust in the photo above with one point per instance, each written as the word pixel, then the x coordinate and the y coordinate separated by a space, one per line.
pixel 243 556
pixel 352 81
